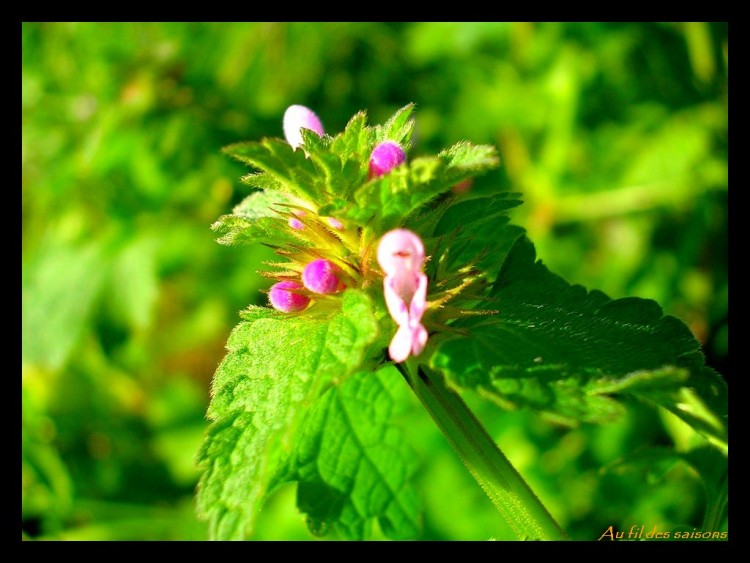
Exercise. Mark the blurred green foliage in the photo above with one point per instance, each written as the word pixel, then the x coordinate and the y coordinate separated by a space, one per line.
pixel 616 134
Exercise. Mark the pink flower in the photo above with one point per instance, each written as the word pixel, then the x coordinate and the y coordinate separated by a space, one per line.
pixel 322 276
pixel 299 117
pixel 401 255
pixel 284 297
pixel 385 157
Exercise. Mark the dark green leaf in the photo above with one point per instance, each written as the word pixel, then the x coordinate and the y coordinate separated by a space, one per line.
pixel 473 212
pixel 563 350
pixel 478 231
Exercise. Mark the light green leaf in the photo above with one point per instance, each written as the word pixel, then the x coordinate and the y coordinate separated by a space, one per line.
pixel 258 218
pixel 352 462
pixel 389 199
pixel 293 171
pixel 275 369
pixel 464 160
pixel 356 141
pixel 398 128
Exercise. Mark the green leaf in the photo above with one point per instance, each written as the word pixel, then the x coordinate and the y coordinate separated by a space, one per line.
pixel 465 160
pixel 562 350
pixel 293 171
pixel 257 219
pixel 469 214
pixel 262 181
pixel 331 174
pixel 353 464
pixel 275 369
pixel 342 163
pixel 478 230
pixel 389 199
pixel 398 128
pixel 355 141
pixel 700 400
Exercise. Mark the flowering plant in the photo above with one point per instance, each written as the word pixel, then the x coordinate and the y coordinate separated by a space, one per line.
pixel 393 269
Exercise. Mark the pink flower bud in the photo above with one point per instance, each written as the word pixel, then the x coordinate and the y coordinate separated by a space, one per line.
pixel 385 157
pixel 322 276
pixel 283 296
pixel 296 118
pixel 295 223
pixel 401 255
pixel 335 223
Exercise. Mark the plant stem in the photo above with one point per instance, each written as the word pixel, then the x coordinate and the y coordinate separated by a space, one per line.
pixel 505 487
pixel 717 504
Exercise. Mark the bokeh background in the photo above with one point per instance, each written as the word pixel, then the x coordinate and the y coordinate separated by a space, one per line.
pixel 615 134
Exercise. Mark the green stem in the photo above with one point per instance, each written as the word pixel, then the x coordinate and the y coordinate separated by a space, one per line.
pixel 717 504
pixel 507 490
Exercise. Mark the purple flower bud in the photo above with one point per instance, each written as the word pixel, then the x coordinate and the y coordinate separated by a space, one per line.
pixel 296 118
pixel 322 276
pixel 385 157
pixel 284 297
pixel 294 222
pixel 335 223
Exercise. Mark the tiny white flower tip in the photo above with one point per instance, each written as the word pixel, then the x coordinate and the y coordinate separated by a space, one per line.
pixel 400 249
pixel 296 118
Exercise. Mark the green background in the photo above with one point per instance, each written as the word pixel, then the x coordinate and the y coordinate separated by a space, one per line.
pixel 615 134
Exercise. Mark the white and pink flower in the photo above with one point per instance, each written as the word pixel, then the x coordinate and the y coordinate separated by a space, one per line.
pixel 401 255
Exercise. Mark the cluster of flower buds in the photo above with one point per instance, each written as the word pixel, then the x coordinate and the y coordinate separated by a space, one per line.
pixel 400 252
pixel 320 276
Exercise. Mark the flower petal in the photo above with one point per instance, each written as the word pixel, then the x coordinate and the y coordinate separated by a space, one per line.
pixel 419 300
pixel 397 307
pixel 418 339
pixel 401 345
pixel 296 118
